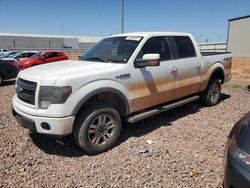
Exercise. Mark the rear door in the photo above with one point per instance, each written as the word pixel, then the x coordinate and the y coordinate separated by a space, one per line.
pixel 49 57
pixel 186 64
pixel 60 56
pixel 57 56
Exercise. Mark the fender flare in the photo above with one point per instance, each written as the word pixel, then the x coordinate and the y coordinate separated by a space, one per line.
pixel 105 89
pixel 218 69
pixel 215 70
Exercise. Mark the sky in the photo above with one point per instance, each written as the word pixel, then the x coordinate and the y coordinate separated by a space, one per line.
pixel 205 19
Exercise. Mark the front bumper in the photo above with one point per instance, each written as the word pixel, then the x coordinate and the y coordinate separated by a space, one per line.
pixel 45 125
pixel 235 176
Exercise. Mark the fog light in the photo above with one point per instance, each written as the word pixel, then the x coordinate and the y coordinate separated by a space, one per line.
pixel 45 126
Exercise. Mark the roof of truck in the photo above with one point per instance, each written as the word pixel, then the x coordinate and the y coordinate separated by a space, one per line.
pixel 145 34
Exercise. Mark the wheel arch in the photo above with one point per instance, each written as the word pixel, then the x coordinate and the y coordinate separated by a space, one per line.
pixel 119 100
pixel 216 73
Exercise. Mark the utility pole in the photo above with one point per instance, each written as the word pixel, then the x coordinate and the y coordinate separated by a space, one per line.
pixel 122 16
pixel 62 36
pixel 14 44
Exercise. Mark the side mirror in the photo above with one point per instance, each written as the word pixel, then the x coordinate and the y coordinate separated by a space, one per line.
pixel 148 60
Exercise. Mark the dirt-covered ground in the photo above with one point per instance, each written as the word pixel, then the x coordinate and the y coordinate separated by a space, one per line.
pixel 187 151
pixel 241 68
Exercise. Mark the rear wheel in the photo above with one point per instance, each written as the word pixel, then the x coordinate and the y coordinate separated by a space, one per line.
pixel 97 129
pixel 211 95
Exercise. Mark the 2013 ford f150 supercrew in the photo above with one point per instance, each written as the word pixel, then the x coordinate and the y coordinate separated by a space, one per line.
pixel 128 76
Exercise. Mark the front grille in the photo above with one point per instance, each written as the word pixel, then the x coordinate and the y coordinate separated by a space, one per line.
pixel 26 90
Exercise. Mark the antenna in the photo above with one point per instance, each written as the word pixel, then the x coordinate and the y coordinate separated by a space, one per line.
pixel 122 15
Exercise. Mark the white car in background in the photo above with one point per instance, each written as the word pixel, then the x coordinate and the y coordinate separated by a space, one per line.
pixel 4 52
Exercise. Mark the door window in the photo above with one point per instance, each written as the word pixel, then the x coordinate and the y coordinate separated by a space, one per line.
pixel 55 54
pixel 185 47
pixel 48 55
pixel 158 45
pixel 25 55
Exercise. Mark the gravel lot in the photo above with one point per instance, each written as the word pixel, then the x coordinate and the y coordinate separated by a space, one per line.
pixel 189 139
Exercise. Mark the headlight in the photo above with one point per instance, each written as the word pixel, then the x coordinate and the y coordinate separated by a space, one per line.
pixel 239 154
pixel 53 95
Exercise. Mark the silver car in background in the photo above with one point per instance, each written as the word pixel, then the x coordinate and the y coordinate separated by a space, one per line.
pixel 19 56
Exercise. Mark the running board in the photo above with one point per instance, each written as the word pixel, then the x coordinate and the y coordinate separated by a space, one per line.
pixel 152 112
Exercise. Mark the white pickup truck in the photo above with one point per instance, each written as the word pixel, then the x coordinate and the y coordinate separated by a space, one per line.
pixel 128 76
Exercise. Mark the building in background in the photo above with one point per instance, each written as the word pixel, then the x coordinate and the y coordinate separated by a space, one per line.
pixel 238 39
pixel 16 41
pixel 85 42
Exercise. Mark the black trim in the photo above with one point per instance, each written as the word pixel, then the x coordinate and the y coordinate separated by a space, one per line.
pixel 217 69
pixel 123 76
pixel 173 47
pixel 24 122
pixel 238 18
pixel 213 53
pixel 26 90
pixel 95 92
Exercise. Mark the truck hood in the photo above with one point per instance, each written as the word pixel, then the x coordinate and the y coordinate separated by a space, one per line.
pixel 68 68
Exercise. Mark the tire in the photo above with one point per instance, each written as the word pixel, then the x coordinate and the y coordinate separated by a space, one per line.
pixel 211 95
pixel 1 79
pixel 97 129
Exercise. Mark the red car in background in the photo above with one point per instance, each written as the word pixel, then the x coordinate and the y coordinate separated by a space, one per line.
pixel 42 58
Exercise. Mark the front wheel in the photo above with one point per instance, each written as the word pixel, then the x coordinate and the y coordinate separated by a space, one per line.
pixel 97 129
pixel 211 95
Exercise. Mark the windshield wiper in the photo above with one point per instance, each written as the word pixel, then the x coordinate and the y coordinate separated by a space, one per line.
pixel 95 58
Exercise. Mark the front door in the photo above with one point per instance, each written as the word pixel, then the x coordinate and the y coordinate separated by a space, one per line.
pixel 154 85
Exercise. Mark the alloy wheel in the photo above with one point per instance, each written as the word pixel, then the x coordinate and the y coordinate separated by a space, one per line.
pixel 101 129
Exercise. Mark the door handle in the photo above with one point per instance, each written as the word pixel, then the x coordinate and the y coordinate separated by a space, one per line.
pixel 198 65
pixel 173 69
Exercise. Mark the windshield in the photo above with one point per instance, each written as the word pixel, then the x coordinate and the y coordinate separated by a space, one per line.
pixel 12 55
pixel 36 55
pixel 112 50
